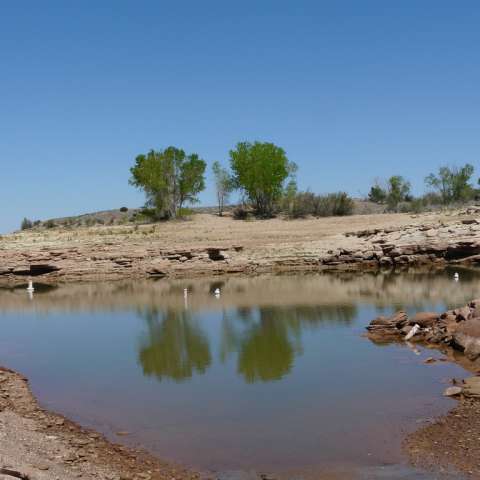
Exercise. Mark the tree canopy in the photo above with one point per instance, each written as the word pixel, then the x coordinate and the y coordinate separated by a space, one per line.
pixel 223 185
pixel 170 178
pixel 377 193
pixel 398 190
pixel 260 170
pixel 452 183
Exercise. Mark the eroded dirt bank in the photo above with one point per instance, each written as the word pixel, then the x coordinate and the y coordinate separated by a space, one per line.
pixel 39 445
pixel 210 245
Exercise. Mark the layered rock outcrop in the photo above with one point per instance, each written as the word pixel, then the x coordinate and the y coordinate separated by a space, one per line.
pixel 105 254
pixel 458 328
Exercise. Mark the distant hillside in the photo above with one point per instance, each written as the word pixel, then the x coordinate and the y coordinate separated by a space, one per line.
pixel 119 216
pixel 124 215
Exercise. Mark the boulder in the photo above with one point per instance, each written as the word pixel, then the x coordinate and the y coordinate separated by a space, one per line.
pixel 474 303
pixel 158 268
pixel 425 319
pixel 472 350
pixel 452 391
pixel 400 319
pixel 463 313
pixel 466 337
pixel 381 321
pixel 386 261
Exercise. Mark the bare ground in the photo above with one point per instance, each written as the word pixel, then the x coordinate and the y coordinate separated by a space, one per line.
pixel 40 445
pixel 451 441
pixel 212 245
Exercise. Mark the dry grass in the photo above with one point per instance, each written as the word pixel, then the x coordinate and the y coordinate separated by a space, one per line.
pixel 207 229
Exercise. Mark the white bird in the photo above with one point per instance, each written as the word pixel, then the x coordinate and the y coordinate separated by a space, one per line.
pixel 30 286
pixel 217 292
pixel 456 276
pixel 412 332
pixel 185 298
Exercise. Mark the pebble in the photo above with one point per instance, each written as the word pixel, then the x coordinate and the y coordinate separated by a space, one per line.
pixel 452 391
pixel 70 457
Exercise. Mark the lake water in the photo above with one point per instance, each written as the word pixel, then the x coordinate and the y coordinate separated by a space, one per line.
pixel 274 375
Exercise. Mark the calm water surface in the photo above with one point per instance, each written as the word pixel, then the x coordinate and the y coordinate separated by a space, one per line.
pixel 273 375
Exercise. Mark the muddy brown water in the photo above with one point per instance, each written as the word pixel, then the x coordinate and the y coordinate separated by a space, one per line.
pixel 271 375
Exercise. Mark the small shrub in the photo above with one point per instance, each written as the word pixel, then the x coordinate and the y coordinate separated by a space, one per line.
pixel 50 224
pixel 407 207
pixel 184 212
pixel 124 209
pixel 240 213
pixel 26 224
pixel 377 194
pixel 418 205
pixel 303 205
pixel 433 198
pixel 333 204
pixel 342 204
pixel 147 215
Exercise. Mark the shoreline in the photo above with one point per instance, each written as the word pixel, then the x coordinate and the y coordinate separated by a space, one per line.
pixel 38 444
pixel 209 246
pixel 450 441
pixel 41 445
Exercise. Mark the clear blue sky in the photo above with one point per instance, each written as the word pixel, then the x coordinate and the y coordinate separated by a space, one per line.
pixel 352 90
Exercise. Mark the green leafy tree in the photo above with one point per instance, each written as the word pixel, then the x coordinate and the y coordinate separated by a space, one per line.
pixel 452 183
pixel 260 170
pixel 377 194
pixel 398 191
pixel 224 185
pixel 169 178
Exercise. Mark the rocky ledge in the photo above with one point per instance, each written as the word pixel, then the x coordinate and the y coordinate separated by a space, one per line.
pixel 458 329
pixel 101 256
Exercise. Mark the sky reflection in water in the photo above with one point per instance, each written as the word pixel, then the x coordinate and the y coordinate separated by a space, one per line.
pixel 274 374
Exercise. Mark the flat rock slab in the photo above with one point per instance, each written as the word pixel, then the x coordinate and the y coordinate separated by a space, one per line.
pixel 471 387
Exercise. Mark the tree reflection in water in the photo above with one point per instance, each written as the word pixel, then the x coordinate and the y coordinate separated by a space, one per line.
pixel 266 340
pixel 269 338
pixel 175 345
